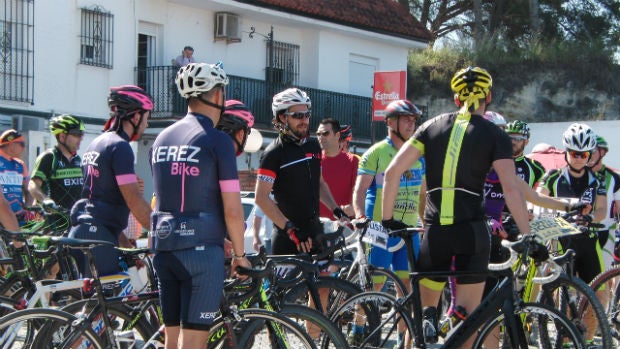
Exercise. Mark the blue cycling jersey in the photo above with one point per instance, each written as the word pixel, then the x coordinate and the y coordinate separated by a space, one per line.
pixel 107 164
pixel 192 164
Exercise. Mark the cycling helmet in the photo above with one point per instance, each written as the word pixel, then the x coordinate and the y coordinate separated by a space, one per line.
pixel 471 80
pixel 128 99
pixel 579 137
pixel 495 118
pixel 518 127
pixel 65 123
pixel 289 98
pixel 345 133
pixel 236 117
pixel 601 143
pixel 401 107
pixel 195 79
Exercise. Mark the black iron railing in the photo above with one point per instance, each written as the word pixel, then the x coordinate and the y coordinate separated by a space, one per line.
pixel 257 94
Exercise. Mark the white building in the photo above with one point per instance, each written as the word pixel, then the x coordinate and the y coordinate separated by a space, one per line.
pixel 61 56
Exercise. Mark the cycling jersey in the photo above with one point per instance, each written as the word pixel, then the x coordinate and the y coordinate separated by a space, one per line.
pixel 295 171
pixel 107 164
pixel 13 174
pixel 530 170
pixel 374 163
pixel 457 164
pixel 62 178
pixel 192 164
pixel 588 260
pixel 494 196
pixel 611 180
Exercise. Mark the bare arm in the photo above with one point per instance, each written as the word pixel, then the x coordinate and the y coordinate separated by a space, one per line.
pixel 34 188
pixel 7 217
pixel 404 159
pixel 362 183
pixel 233 216
pixel 505 169
pixel 269 207
pixel 256 223
pixel 136 203
pixel 326 195
pixel 600 212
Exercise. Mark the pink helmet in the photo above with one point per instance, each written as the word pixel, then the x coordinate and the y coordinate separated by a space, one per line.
pixel 236 109
pixel 129 98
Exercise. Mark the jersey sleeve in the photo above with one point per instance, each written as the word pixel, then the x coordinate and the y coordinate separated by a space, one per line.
pixel 538 170
pixel 369 163
pixel 43 166
pixel 503 149
pixel 227 164
pixel 122 164
pixel 547 181
pixel 269 166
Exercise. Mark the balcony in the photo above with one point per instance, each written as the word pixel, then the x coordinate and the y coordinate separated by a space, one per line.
pixel 257 94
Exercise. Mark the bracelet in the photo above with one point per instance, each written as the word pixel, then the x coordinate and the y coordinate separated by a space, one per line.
pixel 238 257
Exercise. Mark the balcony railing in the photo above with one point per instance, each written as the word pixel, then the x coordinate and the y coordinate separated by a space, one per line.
pixel 257 94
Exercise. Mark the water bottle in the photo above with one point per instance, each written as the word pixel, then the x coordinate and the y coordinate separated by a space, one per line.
pixel 429 321
pixel 458 314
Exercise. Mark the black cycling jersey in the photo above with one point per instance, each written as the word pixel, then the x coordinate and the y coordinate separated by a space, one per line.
pixel 561 184
pixel 295 171
pixel 456 166
pixel 62 178
pixel 530 170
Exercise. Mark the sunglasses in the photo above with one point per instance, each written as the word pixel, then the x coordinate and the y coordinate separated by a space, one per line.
pixel 298 115
pixel 579 154
pixel 76 133
pixel 518 138
pixel 324 134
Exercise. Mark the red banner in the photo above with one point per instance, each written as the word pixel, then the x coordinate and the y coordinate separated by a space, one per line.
pixel 389 86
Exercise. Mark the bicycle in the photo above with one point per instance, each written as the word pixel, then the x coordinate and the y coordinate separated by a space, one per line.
pixel 380 325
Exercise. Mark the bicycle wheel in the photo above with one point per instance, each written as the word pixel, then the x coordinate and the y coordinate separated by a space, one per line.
pixel 319 328
pixel 544 327
pixel 607 284
pixel 45 329
pixel 569 294
pixel 258 328
pixel 130 324
pixel 373 320
pixel 334 289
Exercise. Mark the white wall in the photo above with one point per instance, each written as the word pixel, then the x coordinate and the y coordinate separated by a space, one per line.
pixel 551 133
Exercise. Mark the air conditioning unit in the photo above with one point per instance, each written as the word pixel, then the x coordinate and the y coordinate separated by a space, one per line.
pixel 227 27
pixel 30 123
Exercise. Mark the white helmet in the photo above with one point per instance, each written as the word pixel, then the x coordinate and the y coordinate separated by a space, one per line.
pixel 289 98
pixel 579 137
pixel 495 118
pixel 195 79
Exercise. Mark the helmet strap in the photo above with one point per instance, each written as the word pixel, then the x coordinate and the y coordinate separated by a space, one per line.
pixel 577 171
pixel 209 103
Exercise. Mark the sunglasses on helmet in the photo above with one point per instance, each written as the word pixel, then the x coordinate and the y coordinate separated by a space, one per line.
pixel 579 154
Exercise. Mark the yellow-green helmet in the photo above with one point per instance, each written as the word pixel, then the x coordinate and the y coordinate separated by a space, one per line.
pixel 518 127
pixel 471 79
pixel 65 123
pixel 601 142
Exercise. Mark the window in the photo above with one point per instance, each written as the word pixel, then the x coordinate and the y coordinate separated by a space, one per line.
pixel 17 50
pixel 282 63
pixel 97 32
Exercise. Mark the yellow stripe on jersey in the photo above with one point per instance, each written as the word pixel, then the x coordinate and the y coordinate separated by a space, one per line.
pixel 448 181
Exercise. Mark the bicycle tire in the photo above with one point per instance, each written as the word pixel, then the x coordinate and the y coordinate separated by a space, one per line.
pixel 611 278
pixel 121 314
pixel 338 291
pixel 254 330
pixel 540 317
pixel 392 284
pixel 329 336
pixel 55 329
pixel 569 305
pixel 373 320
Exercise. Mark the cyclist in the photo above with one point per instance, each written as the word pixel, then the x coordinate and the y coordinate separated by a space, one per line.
pixel 401 117
pixel 577 181
pixel 57 173
pixel 290 167
pixel 14 173
pixel 611 180
pixel 111 188
pixel 197 201
pixel 459 148
pixel 530 170
pixel 236 122
pixel 339 168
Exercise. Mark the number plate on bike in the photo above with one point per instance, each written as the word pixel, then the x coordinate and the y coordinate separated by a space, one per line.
pixel 376 235
pixel 548 228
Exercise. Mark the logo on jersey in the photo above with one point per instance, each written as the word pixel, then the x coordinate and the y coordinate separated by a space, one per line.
pixel 588 195
pixel 90 158
pixel 163 230
pixel 178 157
